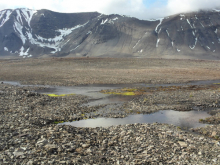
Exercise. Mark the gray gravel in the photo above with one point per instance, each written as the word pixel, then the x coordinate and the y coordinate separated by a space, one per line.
pixel 180 98
pixel 28 135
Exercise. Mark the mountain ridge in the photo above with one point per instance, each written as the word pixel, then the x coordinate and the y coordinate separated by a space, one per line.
pixel 30 33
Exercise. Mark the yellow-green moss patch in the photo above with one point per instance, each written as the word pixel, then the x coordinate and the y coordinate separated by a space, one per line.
pixel 121 93
pixel 124 92
pixel 62 95
pixel 129 89
pixel 128 93
pixel 58 122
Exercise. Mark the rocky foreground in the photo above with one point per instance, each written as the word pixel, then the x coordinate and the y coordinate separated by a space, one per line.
pixel 29 134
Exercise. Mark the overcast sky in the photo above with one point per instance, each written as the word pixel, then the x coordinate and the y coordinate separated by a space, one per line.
pixel 142 9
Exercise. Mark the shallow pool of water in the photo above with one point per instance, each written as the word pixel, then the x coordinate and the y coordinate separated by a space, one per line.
pixel 92 91
pixel 97 98
pixel 187 119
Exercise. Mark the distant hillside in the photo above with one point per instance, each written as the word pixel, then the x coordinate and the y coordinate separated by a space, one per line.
pixel 30 33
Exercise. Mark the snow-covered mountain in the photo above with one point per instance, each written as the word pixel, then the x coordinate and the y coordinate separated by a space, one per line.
pixel 30 33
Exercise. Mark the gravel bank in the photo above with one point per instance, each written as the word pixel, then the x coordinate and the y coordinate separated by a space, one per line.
pixel 181 98
pixel 28 135
pixel 129 144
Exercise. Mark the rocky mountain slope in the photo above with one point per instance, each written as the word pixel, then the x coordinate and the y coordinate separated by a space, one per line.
pixel 30 33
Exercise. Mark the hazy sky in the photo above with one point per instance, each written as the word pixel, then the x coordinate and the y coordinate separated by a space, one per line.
pixel 143 9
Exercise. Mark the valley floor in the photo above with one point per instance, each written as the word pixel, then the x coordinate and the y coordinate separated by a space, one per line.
pixel 74 71
pixel 29 133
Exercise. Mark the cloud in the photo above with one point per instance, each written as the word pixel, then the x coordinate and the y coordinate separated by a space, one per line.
pixel 178 6
pixel 134 8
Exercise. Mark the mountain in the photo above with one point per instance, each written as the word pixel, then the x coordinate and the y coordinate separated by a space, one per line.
pixel 42 33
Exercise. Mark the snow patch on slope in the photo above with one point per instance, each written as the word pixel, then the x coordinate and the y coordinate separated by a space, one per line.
pixel 181 17
pixel 158 40
pixel 75 48
pixel 22 53
pixel 6 49
pixel 24 16
pixel 189 23
pixel 104 21
pixel 28 14
pixel 7 15
pixel 161 20
pixel 19 24
pixel 202 24
pixel 192 47
pixel 136 44
pixel 110 21
pixel 19 19
pixel 141 51
pixel 18 28
pixel 64 32
pixel 216 10
pixel 54 43
pixel 168 33
pixel 66 42
pixel 2 13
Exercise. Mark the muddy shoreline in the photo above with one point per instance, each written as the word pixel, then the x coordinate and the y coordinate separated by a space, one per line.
pixel 30 135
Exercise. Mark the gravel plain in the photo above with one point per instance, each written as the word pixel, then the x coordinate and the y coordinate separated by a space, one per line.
pixel 75 71
pixel 30 134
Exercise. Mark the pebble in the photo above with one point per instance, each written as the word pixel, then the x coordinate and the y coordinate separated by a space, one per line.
pixel 182 144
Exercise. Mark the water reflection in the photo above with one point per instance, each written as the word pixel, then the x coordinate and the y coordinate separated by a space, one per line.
pixel 189 119
pixel 97 98
pixel 92 91
pixel 109 99
pixel 15 83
